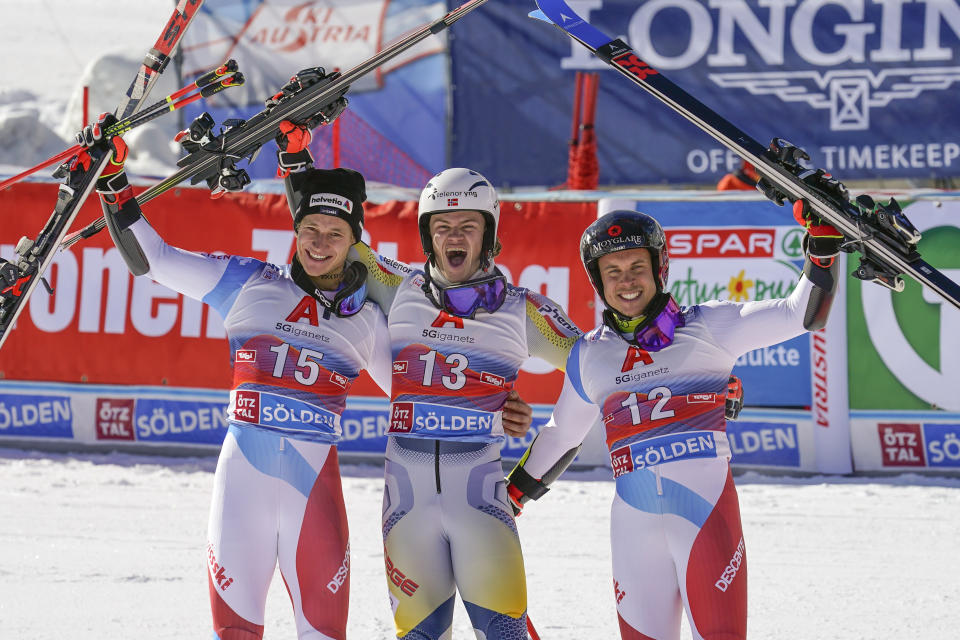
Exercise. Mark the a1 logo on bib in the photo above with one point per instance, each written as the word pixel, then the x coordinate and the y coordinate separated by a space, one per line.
pixel 635 355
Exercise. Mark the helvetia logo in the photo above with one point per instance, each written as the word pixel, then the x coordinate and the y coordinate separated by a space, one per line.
pixel 331 200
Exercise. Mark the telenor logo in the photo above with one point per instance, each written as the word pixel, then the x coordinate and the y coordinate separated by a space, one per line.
pixel 331 200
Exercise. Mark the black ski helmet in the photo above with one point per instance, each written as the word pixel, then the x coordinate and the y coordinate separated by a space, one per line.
pixel 620 230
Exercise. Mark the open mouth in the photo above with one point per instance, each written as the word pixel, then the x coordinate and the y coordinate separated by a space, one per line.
pixel 456 257
pixel 629 296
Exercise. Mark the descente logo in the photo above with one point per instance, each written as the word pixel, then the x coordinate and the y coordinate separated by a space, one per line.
pixel 331 200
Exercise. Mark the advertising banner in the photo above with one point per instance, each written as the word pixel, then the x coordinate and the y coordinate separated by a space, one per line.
pixel 394 130
pixel 103 326
pixel 869 89
pixel 904 357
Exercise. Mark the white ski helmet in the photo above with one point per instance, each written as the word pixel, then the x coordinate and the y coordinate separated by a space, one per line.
pixel 459 189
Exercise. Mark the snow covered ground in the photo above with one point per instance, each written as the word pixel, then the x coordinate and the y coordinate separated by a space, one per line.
pixel 110 546
pixel 47 53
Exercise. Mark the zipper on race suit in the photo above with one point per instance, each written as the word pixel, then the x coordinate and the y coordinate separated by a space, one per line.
pixel 436 463
pixel 659 485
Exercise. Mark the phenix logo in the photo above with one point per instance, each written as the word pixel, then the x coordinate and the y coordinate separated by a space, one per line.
pixel 331 200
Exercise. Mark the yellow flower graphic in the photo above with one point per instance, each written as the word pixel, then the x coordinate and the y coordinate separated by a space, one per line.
pixel 739 287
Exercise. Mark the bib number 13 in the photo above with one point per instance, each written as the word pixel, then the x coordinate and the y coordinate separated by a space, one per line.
pixel 662 395
pixel 456 378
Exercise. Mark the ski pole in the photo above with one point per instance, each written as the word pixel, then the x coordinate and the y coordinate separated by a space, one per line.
pixel 209 83
pixel 63 155
pixel 533 632
pixel 214 75
pixel 143 117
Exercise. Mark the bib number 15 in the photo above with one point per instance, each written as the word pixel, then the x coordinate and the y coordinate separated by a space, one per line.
pixel 307 370
pixel 662 395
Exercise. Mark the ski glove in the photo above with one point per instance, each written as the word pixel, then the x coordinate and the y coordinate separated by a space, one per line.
pixel 112 181
pixel 293 153
pixel 734 403
pixel 822 242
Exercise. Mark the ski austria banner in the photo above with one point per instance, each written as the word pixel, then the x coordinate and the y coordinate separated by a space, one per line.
pixel 905 359
pixel 869 89
pixel 393 131
pixel 750 250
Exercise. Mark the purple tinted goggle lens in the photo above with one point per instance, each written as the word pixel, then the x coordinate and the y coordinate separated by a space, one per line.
pixel 659 333
pixel 464 300
pixel 352 303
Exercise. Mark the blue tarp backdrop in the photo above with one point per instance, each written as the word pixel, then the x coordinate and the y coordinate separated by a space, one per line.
pixel 870 89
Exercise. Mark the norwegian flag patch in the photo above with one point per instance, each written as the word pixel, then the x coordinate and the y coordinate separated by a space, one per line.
pixel 453 202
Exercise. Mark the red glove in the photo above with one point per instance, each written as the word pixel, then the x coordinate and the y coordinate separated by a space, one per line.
pixel 823 240
pixel 293 143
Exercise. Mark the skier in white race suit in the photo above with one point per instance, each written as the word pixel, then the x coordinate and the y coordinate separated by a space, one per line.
pixel 459 334
pixel 299 336
pixel 656 374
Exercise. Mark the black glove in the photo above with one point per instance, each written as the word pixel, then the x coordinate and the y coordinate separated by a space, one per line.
pixel 307 78
pixel 112 180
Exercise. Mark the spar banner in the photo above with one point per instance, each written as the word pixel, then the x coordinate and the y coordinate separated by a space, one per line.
pixel 904 367
pixel 103 326
pixel 739 251
pixel 869 89
pixel 394 130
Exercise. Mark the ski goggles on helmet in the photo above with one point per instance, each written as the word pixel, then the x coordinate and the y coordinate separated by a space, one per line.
pixel 465 298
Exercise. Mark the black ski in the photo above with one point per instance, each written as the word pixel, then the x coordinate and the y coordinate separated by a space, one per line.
pixel 18 279
pixel 300 101
pixel 884 237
